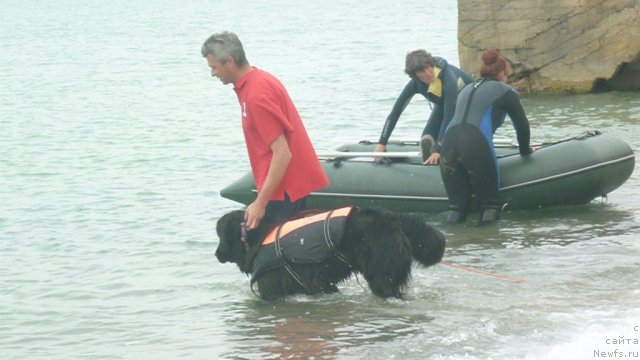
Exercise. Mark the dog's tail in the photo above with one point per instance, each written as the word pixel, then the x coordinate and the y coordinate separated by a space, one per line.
pixel 427 242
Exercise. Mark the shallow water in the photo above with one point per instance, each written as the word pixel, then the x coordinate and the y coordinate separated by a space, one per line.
pixel 115 142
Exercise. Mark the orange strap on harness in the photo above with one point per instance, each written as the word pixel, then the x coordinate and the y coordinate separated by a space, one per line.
pixel 292 225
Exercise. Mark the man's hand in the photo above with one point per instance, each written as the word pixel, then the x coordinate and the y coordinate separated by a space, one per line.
pixel 277 168
pixel 434 159
pixel 379 148
pixel 253 214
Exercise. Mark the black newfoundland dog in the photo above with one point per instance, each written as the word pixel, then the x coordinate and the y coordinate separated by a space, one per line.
pixel 315 253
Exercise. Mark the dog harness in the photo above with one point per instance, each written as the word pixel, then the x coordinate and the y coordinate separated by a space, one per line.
pixel 308 240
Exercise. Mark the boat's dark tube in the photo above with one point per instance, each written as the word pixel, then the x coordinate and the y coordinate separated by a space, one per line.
pixel 572 171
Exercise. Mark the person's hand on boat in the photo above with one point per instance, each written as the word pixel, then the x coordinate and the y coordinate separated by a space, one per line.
pixel 433 159
pixel 379 148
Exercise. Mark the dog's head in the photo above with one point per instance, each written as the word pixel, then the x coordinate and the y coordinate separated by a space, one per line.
pixel 234 246
pixel 231 248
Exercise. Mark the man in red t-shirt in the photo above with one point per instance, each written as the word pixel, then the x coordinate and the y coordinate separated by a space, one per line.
pixel 285 166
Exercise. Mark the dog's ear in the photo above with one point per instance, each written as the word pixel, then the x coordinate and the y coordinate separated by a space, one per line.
pixel 229 224
pixel 230 248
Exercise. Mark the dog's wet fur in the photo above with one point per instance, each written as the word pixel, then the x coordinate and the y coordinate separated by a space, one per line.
pixel 379 244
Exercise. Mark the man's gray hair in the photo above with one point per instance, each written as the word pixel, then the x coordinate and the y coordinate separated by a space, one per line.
pixel 222 45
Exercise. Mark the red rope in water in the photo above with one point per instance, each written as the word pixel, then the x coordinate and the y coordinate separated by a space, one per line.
pixel 486 273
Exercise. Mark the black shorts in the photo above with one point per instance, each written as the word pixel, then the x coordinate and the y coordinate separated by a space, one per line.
pixel 281 210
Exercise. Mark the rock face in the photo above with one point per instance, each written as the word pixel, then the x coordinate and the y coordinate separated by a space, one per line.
pixel 562 46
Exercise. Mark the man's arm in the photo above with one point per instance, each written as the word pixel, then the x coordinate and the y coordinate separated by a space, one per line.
pixel 449 98
pixel 519 119
pixel 277 168
pixel 398 107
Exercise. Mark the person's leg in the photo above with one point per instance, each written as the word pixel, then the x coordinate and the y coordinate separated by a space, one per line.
pixel 456 183
pixel 482 164
pixel 455 178
pixel 427 145
pixel 430 133
pixel 432 127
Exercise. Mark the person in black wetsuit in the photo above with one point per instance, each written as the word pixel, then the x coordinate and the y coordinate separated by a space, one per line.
pixel 439 82
pixel 468 163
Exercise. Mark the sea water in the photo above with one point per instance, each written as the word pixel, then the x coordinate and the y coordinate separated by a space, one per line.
pixel 115 142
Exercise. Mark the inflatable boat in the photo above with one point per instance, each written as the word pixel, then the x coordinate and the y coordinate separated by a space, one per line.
pixel 566 172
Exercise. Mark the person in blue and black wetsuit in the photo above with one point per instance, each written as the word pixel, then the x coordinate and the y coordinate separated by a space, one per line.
pixel 468 164
pixel 439 82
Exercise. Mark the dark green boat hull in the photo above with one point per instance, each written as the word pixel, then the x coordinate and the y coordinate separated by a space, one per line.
pixel 570 172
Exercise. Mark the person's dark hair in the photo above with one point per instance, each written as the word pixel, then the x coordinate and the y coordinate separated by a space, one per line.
pixel 224 45
pixel 493 62
pixel 417 60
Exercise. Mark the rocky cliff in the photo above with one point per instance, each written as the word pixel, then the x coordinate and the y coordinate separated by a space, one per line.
pixel 555 46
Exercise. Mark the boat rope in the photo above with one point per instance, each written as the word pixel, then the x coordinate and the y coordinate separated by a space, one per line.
pixel 485 273
pixel 499 142
pixel 585 135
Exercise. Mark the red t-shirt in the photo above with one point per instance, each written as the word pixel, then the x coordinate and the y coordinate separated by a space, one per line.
pixel 268 112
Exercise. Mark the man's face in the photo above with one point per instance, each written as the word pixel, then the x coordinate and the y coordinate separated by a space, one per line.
pixel 220 70
pixel 426 75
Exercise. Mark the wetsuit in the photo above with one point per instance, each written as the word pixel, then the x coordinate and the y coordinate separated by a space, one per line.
pixel 468 161
pixel 442 92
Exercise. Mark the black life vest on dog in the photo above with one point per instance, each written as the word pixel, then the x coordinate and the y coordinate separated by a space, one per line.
pixel 307 240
